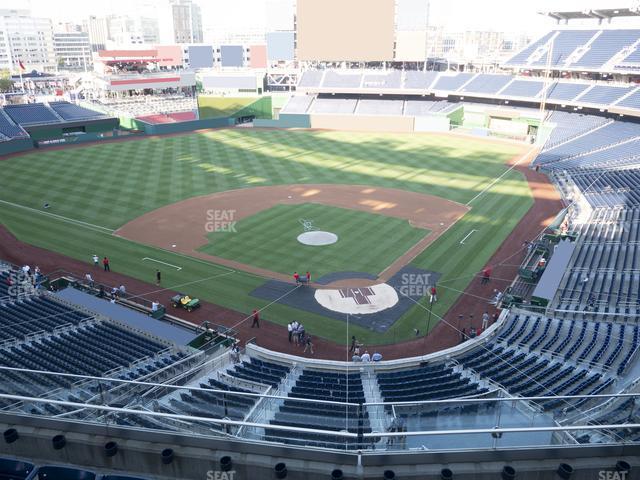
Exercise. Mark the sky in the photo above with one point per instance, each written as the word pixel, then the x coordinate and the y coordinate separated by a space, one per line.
pixel 454 15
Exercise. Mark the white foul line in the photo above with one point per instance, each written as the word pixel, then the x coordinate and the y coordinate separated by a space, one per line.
pixel 60 217
pixel 164 263
pixel 525 155
pixel 467 236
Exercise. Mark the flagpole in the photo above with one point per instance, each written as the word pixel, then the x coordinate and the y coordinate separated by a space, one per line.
pixel 20 64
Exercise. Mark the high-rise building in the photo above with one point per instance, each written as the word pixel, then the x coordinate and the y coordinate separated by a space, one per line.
pixel 122 30
pixel 98 29
pixel 26 39
pixel 185 21
pixel 72 50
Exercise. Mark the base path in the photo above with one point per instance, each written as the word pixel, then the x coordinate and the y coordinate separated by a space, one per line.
pixel 182 226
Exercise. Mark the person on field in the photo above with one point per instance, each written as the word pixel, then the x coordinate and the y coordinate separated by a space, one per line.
pixel 295 326
pixel 158 277
pixel 296 277
pixel 256 319
pixel 96 260
pixel 486 275
pixel 433 294
pixel 308 345
pixel 308 278
pixel 354 342
pixel 290 331
pixel 105 264
pixel 485 320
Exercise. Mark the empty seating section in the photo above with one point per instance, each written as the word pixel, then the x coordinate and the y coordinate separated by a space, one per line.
pixel 8 128
pixel 350 82
pixel 311 78
pixel 298 104
pixel 598 138
pixel 620 155
pixel 334 105
pixel 334 79
pixel 564 44
pixel 603 94
pixel 572 348
pixel 523 88
pixel 35 314
pixel 632 101
pixel 223 401
pixel 428 382
pixel 419 80
pixel 609 188
pixel 566 91
pixel 323 385
pixel 603 273
pixel 31 114
pixel 631 60
pixel 570 125
pixel 392 79
pixel 606 46
pixel 487 83
pixel 521 57
pixel 380 107
pixel 420 108
pixel 529 374
pixel 69 111
pixel 259 371
pixel 452 82
pixel 91 350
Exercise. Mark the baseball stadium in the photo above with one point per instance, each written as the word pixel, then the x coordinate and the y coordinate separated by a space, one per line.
pixel 354 267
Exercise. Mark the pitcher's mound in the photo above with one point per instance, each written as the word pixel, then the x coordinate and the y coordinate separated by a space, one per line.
pixel 317 238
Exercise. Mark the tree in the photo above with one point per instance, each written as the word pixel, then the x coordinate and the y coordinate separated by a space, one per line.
pixel 6 84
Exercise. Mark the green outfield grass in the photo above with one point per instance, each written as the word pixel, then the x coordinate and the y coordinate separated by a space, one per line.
pixel 367 242
pixel 93 190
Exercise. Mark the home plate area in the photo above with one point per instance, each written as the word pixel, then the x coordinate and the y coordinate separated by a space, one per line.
pixel 375 307
pixel 362 300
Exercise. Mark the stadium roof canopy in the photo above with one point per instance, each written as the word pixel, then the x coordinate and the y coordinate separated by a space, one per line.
pixel 599 14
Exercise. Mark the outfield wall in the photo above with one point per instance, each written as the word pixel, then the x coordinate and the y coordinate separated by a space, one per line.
pixel 285 120
pixel 60 131
pixel 177 127
pixel 366 123
pixel 433 123
pixel 15 146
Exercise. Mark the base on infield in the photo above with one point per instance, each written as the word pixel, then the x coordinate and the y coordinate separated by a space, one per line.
pixel 317 238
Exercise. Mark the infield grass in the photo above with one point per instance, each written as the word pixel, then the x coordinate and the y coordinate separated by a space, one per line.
pixel 366 243
pixel 109 184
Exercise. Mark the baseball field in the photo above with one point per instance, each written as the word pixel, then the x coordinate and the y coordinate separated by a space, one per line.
pixel 93 191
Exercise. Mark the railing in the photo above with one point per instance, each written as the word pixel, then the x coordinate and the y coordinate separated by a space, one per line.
pixel 538 430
